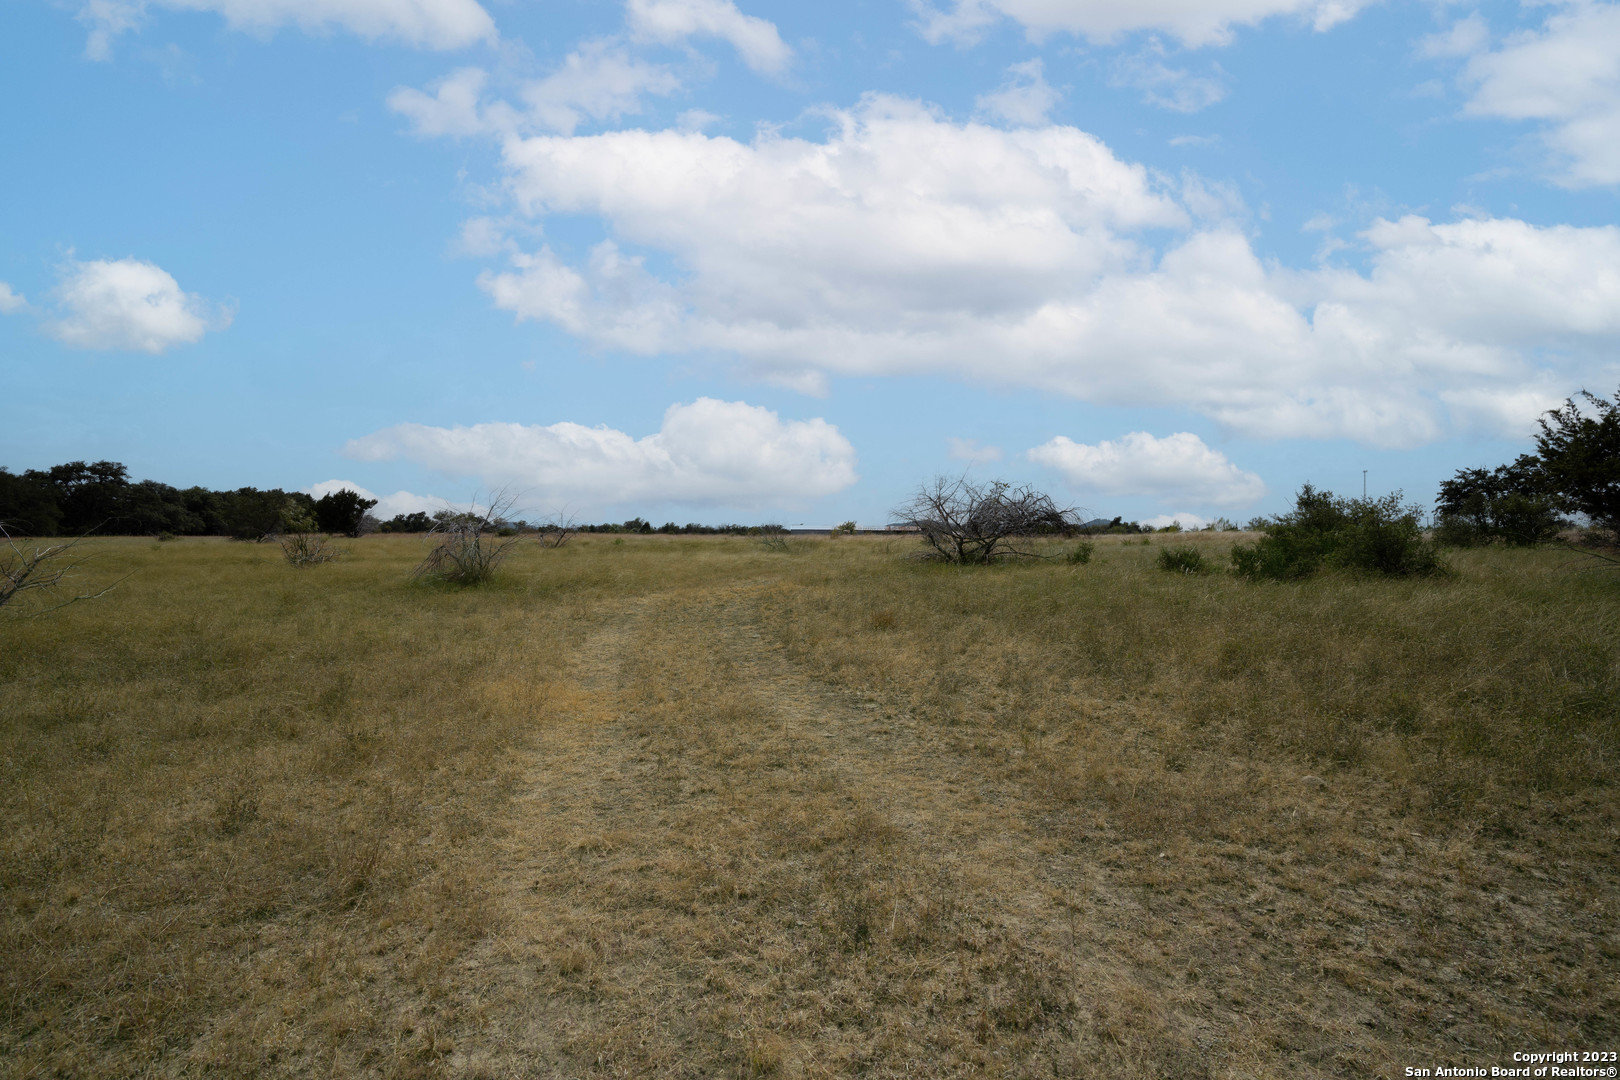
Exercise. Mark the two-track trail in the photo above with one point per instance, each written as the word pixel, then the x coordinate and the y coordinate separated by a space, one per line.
pixel 719 866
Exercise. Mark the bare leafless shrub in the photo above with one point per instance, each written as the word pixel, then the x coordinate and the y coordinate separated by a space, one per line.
pixel 558 529
pixel 468 547
pixel 965 521
pixel 774 538
pixel 39 570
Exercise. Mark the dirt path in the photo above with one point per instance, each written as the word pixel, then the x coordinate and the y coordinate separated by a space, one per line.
pixel 721 867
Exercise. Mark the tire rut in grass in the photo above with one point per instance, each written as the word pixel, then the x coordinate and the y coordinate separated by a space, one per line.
pixel 721 865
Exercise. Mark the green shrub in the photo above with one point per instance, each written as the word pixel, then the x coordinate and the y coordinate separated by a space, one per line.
pixel 1380 536
pixel 1183 560
pixel 1081 553
pixel 1459 531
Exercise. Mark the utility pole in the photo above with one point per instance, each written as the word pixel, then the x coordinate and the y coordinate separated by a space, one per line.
pixel 1363 483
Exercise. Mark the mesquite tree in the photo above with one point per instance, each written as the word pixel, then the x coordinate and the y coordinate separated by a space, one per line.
pixel 964 521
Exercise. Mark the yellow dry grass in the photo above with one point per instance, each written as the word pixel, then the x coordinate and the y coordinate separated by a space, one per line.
pixel 686 807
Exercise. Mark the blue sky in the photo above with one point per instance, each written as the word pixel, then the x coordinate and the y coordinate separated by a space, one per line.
pixel 705 260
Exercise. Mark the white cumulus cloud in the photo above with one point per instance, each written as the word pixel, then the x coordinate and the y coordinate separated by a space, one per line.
pixel 454 108
pixel 671 22
pixel 129 304
pixel 1025 98
pixel 1567 76
pixel 1179 467
pixel 1193 22
pixel 598 81
pixel 429 24
pixel 1177 89
pixel 709 452
pixel 10 301
pixel 972 451
pixel 905 243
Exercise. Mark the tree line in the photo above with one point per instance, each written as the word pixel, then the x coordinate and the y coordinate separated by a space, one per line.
pixel 99 497
pixel 1575 470
pixel 82 497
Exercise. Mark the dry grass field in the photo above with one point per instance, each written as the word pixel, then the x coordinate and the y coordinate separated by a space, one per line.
pixel 666 806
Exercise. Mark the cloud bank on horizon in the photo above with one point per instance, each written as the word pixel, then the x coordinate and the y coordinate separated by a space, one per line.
pixel 715 188
pixel 708 453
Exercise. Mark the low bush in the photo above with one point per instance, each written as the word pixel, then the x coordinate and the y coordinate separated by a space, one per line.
pixel 1380 535
pixel 301 545
pixel 1081 553
pixel 1183 560
pixel 775 538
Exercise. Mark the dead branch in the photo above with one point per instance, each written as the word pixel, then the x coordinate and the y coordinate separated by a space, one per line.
pixel 43 568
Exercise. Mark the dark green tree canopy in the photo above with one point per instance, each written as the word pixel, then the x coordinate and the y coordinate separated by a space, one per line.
pixel 414 522
pixel 1512 503
pixel 1580 456
pixel 342 511
pixel 1575 469
pixel 81 497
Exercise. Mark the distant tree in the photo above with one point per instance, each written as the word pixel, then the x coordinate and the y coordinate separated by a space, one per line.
pixel 342 511
pixel 966 521
pixel 149 508
pixel 254 514
pixel 28 504
pixel 1580 457
pixel 91 495
pixel 845 529
pixel 1511 503
pixel 416 521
